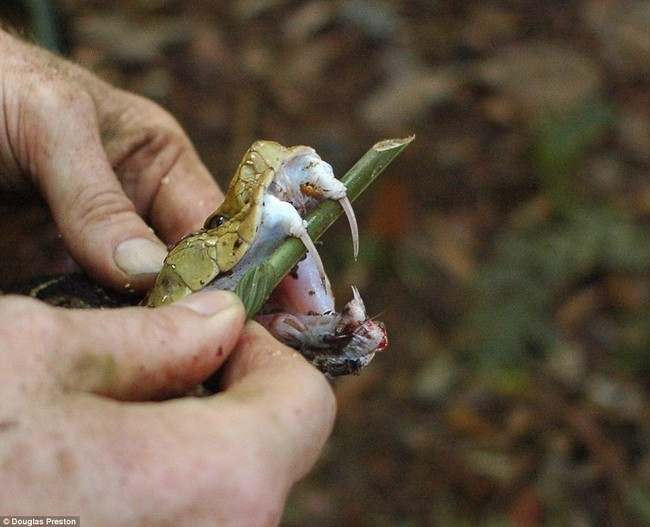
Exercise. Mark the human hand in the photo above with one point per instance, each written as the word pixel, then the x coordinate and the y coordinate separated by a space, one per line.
pixel 103 159
pixel 71 445
pixel 72 441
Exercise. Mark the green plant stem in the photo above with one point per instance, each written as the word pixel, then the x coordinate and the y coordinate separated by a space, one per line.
pixel 257 284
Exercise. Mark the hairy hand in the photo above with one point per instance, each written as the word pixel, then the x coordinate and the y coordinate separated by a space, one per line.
pixel 104 159
pixel 75 440
pixel 79 433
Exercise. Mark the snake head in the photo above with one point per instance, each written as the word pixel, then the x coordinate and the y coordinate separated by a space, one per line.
pixel 305 179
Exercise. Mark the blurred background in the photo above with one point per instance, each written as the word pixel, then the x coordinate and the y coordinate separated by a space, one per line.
pixel 507 249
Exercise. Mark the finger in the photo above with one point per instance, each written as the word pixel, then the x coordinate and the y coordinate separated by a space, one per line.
pixel 226 459
pixel 142 353
pixel 265 431
pixel 278 391
pixel 188 182
pixel 157 165
pixel 88 204
pixel 178 462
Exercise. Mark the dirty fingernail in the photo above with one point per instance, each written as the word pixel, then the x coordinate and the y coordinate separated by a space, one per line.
pixel 209 302
pixel 139 256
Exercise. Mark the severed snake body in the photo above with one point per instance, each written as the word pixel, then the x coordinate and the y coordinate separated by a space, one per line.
pixel 272 190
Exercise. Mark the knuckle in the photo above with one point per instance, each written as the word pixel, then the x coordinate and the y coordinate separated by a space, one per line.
pixel 97 206
pixel 171 332
pixel 55 92
pixel 28 332
pixel 26 318
pixel 166 329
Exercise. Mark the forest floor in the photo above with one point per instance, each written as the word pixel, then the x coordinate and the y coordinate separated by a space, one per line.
pixel 507 249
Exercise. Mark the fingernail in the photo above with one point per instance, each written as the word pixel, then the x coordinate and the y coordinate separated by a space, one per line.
pixel 209 302
pixel 139 256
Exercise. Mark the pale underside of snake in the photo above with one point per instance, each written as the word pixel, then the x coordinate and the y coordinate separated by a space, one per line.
pixel 272 190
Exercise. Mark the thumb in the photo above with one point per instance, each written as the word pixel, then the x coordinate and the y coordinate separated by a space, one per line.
pixel 141 353
pixel 97 221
